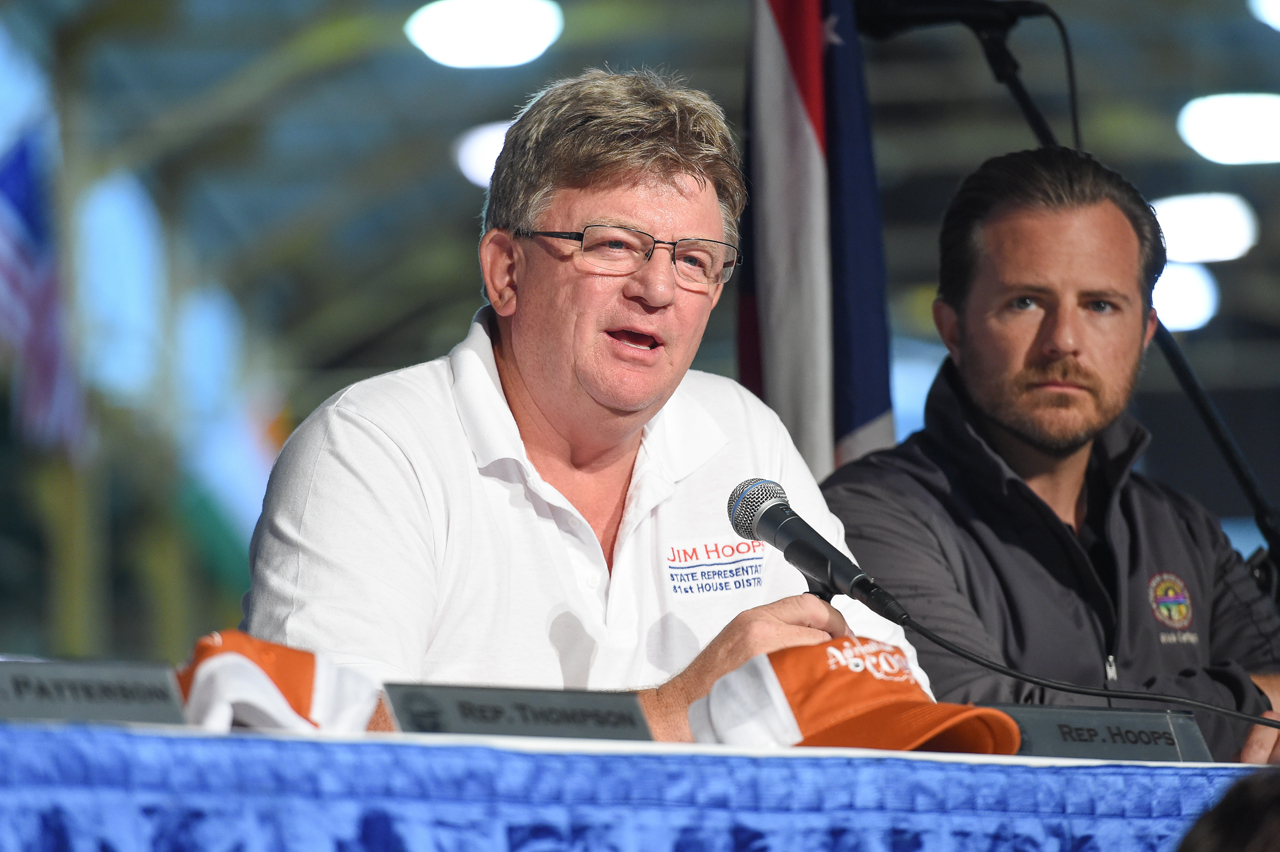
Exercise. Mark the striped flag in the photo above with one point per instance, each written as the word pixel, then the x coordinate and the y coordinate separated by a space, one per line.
pixel 48 402
pixel 813 337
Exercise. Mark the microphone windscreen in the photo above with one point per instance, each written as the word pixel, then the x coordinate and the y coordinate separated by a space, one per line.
pixel 747 499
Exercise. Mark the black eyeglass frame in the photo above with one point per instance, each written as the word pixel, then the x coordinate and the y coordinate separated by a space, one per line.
pixel 579 236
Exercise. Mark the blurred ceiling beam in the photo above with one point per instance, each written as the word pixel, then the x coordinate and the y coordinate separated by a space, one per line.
pixel 1219 364
pixel 427 275
pixel 1116 131
pixel 131 17
pixel 335 41
pixel 295 241
pixel 331 43
pixel 450 316
pixel 597 23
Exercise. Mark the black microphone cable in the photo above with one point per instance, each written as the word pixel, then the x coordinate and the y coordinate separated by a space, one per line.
pixel 1071 75
pixel 1082 690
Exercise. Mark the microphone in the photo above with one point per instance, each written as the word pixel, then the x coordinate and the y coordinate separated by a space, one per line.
pixel 885 18
pixel 759 511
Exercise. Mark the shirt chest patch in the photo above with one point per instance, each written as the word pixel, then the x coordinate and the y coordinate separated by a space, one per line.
pixel 1170 601
pixel 714 567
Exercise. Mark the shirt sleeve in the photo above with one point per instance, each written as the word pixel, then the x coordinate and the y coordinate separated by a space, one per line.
pixel 342 556
pixel 914 563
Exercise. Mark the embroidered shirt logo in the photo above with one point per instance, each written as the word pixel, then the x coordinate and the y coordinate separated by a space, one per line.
pixel 882 661
pixel 1170 601
pixel 710 567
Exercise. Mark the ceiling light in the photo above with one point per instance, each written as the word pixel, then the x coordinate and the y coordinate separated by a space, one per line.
pixel 1186 296
pixel 1206 226
pixel 485 33
pixel 1233 129
pixel 1267 11
pixel 476 150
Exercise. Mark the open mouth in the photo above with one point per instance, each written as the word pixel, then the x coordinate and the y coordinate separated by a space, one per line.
pixel 634 339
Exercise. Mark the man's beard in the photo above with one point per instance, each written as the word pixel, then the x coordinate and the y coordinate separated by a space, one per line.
pixel 1007 407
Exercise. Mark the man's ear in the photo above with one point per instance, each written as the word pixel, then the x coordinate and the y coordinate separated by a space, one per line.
pixel 499 265
pixel 948 323
pixel 1150 330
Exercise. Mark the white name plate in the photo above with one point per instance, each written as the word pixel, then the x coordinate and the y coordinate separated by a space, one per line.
pixel 90 692
pixel 430 709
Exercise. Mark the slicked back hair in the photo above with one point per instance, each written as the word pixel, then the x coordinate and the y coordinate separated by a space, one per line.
pixel 600 128
pixel 1052 178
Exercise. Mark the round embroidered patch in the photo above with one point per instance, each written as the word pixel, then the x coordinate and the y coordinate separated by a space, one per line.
pixel 1170 601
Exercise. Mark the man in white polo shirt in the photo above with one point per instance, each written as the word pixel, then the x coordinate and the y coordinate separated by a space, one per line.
pixel 545 506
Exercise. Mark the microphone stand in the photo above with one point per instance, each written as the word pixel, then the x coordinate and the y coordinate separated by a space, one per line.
pixel 994 40
pixel 993 35
pixel 1261 564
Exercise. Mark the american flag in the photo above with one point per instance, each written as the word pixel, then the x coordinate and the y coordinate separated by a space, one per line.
pixel 48 402
pixel 813 333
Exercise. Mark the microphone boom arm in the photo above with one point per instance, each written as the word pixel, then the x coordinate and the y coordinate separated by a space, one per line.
pixel 994 40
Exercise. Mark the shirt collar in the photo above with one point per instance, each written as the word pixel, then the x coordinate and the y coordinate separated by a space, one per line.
pixel 477 392
pixel 682 436
pixel 676 441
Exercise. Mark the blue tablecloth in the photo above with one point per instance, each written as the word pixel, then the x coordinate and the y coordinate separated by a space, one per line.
pixel 104 789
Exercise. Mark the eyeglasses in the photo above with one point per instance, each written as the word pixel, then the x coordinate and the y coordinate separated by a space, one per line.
pixel 700 264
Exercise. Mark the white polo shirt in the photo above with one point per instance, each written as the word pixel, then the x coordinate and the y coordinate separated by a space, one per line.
pixel 406 534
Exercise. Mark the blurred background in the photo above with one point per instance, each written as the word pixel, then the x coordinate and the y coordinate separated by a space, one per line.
pixel 216 213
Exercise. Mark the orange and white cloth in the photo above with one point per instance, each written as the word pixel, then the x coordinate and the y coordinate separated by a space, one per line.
pixel 233 678
pixel 847 692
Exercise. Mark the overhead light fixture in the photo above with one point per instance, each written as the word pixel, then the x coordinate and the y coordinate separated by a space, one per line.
pixel 1235 129
pixel 1267 11
pixel 476 151
pixel 1186 296
pixel 485 33
pixel 1206 226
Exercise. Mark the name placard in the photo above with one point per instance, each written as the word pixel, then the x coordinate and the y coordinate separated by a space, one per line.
pixel 431 709
pixel 1109 734
pixel 90 692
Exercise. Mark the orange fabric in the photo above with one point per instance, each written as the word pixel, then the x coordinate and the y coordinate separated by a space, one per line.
pixel 291 670
pixel 861 693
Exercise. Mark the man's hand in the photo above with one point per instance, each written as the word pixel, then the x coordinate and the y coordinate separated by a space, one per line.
pixel 1270 686
pixel 798 620
pixel 382 720
pixel 1263 744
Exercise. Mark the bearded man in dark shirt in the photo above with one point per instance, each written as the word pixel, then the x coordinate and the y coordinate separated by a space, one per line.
pixel 1013 523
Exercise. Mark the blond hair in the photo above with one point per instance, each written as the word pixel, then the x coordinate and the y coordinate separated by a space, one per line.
pixel 601 127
